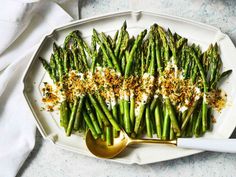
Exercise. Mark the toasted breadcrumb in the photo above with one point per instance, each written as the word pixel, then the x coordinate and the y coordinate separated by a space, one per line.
pixel 111 85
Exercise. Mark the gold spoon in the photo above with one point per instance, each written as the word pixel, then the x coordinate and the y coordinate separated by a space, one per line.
pixel 100 148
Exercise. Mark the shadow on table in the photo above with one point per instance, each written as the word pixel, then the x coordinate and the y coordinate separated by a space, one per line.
pixel 233 134
pixel 83 3
pixel 38 143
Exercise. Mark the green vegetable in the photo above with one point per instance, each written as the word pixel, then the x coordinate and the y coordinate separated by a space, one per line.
pixel 152 54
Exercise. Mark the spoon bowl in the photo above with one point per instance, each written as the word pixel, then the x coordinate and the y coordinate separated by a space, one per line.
pixel 100 148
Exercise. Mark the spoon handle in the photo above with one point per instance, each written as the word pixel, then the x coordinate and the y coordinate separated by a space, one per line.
pixel 152 141
pixel 216 145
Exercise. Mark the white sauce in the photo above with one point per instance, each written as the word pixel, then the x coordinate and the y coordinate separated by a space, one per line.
pixel 144 98
pixel 137 109
pixel 183 108
pixel 108 105
pixel 126 96
pixel 155 96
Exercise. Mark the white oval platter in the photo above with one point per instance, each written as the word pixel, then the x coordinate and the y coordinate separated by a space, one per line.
pixel 202 34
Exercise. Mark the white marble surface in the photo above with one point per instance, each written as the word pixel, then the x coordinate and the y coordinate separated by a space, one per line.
pixel 46 160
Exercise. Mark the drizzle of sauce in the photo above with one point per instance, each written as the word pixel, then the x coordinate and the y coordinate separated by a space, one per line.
pixel 111 85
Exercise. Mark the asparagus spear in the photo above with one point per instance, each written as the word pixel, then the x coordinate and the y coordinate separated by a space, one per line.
pixel 205 85
pixel 117 49
pixel 166 124
pixel 158 121
pixel 72 118
pixel 64 114
pixel 47 68
pixel 95 34
pixel 148 121
pixel 131 55
pixel 92 117
pixel 90 125
pixel 110 52
pixel 78 115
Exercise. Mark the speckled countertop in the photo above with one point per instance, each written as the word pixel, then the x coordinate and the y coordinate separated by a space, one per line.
pixel 46 160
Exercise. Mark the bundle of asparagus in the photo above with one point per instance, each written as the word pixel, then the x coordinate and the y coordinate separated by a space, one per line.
pixel 158 84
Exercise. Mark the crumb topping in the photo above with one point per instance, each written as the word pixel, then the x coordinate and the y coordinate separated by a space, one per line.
pixel 111 86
